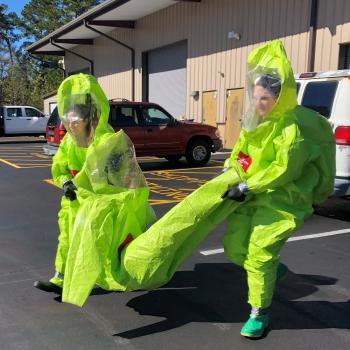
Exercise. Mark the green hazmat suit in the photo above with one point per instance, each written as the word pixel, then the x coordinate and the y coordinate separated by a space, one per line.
pixel 287 162
pixel 70 159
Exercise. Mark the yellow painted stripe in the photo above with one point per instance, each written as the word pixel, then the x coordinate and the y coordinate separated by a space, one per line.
pixel 39 155
pixel 163 201
pixel 9 163
pixel 35 166
pixel 32 164
pixel 50 182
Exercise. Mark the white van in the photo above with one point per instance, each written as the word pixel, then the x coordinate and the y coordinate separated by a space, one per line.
pixel 329 94
pixel 22 120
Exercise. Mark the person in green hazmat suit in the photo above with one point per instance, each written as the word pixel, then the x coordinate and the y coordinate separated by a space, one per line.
pixel 285 158
pixel 84 110
pixel 282 163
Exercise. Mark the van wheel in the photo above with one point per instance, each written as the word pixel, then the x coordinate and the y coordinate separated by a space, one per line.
pixel 198 152
pixel 173 158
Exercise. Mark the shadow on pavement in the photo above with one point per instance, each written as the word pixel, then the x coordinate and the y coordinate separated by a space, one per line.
pixel 216 293
pixel 335 208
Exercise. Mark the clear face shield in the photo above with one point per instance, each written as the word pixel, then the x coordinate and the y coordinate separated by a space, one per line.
pixel 264 86
pixel 80 118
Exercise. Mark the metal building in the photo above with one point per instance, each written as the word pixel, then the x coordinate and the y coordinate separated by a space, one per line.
pixel 190 55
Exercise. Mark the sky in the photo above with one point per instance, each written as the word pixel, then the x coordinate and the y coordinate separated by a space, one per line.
pixel 14 5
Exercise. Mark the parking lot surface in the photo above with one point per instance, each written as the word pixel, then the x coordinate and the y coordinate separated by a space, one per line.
pixel 203 306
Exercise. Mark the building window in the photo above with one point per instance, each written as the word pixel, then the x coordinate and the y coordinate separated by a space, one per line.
pixel 344 56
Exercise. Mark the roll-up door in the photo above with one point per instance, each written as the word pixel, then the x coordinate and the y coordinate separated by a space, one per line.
pixel 167 77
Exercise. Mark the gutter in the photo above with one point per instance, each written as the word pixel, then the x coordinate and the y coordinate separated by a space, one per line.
pixel 94 12
pixel 132 51
pixel 312 31
pixel 52 42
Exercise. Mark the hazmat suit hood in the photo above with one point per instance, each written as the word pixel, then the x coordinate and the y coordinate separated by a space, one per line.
pixel 83 108
pixel 269 68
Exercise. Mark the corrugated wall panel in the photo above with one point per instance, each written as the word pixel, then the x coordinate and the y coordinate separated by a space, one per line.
pixel 214 62
pixel 333 28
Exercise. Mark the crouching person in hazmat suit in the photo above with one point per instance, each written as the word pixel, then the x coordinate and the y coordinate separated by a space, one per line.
pixel 104 188
pixel 282 163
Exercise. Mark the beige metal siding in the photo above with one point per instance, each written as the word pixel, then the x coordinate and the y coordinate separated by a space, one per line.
pixel 216 62
pixel 47 101
pixel 112 63
pixel 333 28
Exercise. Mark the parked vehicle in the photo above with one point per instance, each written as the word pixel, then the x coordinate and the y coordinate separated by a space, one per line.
pixel 22 120
pixel 153 131
pixel 329 94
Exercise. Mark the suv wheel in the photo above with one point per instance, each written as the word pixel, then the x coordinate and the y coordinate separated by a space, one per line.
pixel 173 158
pixel 198 152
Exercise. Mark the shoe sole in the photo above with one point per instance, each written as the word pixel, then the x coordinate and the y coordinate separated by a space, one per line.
pixel 49 289
pixel 255 336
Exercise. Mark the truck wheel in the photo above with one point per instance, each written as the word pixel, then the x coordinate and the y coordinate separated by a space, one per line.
pixel 198 152
pixel 173 158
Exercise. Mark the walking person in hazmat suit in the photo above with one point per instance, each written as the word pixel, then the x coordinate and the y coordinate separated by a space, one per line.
pixel 282 163
pixel 112 167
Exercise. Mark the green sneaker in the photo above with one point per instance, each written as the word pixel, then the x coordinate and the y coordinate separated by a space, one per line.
pixel 255 326
pixel 282 271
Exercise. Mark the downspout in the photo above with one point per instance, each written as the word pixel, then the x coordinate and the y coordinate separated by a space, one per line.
pixel 132 50
pixel 48 64
pixel 313 30
pixel 76 54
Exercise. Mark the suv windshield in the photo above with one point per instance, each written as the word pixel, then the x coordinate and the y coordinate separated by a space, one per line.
pixel 54 119
pixel 319 96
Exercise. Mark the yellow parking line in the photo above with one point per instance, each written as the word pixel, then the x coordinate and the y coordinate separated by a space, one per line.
pixel 39 155
pixel 36 166
pixel 50 182
pixel 18 156
pixel 9 163
pixel 163 201
pixel 33 164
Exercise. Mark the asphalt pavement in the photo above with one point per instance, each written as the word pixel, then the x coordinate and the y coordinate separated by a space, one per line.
pixel 202 307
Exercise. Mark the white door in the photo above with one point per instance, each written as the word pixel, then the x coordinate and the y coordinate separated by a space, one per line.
pixel 15 122
pixel 36 120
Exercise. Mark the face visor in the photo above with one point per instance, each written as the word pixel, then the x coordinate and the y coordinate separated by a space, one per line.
pixel 264 86
pixel 80 118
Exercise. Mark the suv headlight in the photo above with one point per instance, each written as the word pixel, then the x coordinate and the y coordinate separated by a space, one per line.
pixel 217 133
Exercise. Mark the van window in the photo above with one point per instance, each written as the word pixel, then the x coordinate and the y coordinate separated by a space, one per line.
pixel 14 112
pixel 319 96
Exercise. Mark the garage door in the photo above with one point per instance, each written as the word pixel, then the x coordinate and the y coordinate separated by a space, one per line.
pixel 167 77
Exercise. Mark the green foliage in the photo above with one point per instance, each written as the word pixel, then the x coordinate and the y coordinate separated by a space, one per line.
pixel 24 80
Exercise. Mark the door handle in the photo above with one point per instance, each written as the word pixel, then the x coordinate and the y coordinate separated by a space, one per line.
pixel 149 130
pixel 29 119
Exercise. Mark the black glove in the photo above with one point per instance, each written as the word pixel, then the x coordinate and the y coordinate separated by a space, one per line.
pixel 69 190
pixel 235 193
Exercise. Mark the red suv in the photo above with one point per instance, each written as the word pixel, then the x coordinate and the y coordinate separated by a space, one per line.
pixel 153 131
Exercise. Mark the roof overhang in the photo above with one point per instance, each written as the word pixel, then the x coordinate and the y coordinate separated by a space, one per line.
pixel 108 15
